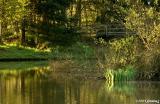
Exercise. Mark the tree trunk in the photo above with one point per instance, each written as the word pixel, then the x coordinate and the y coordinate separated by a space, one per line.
pixel 23 36
pixel 2 19
pixel 78 13
pixel 0 33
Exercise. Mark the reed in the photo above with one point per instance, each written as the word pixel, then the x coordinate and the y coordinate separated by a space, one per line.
pixel 123 74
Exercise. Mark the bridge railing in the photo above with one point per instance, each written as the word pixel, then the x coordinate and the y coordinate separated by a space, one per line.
pixel 114 30
pixel 107 30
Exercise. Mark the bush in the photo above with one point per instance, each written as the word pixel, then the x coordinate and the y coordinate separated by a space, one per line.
pixel 122 51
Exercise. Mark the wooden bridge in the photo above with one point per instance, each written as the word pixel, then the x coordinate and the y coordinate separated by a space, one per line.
pixel 111 30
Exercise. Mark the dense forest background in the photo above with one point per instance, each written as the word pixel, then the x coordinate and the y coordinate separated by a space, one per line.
pixel 35 22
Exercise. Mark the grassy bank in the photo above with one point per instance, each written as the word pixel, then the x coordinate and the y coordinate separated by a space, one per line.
pixel 13 51
pixel 77 51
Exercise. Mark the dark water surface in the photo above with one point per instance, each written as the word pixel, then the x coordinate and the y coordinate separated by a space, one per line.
pixel 28 88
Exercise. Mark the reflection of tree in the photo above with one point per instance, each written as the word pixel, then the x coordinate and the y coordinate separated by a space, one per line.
pixel 37 90
pixel 128 92
pixel 30 90
pixel 35 71
pixel 148 89
pixel 79 92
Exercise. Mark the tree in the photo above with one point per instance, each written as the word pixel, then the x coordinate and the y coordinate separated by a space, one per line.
pixel 146 22
pixel 1 18
pixel 111 11
pixel 12 12
pixel 49 17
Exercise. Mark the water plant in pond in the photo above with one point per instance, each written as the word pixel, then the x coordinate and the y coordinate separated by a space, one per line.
pixel 123 74
pixel 109 75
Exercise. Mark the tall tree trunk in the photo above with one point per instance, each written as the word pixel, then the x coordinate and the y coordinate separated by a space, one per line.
pixel 78 13
pixel 23 36
pixel 2 19
pixel 0 33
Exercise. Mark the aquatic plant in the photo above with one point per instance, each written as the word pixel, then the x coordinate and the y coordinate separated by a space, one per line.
pixel 123 74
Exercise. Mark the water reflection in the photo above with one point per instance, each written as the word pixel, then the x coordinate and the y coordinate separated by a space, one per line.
pixel 26 88
pixel 35 90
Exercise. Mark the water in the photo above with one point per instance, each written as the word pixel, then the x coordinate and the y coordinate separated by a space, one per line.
pixel 29 88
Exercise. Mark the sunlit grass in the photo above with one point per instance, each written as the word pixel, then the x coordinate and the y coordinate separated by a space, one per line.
pixel 13 51
pixel 76 51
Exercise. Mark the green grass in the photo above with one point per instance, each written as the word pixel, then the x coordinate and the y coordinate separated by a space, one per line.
pixel 13 51
pixel 76 51
pixel 123 74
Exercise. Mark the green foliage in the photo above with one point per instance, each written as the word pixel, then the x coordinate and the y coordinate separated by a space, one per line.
pixel 64 37
pixel 123 51
pixel 52 21
pixel 146 23
pixel 111 11
pixel 150 68
pixel 142 48
pixel 12 12
pixel 100 41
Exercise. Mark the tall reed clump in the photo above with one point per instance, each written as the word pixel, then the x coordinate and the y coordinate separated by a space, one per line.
pixel 122 74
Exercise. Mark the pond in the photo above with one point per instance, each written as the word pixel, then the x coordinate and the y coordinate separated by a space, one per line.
pixel 34 87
